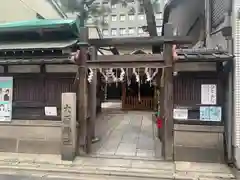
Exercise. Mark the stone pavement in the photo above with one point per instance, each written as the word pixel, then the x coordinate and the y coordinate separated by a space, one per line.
pixel 51 166
pixel 128 134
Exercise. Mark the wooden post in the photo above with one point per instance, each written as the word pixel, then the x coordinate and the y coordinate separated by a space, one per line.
pixel 82 90
pixel 160 99
pixel 168 151
pixel 93 93
pixel 92 97
pixel 123 98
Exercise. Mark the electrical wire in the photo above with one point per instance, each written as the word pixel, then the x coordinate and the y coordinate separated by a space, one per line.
pixel 27 6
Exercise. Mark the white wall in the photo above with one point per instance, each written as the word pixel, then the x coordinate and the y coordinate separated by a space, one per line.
pixel 18 10
pixel 236 36
pixel 44 8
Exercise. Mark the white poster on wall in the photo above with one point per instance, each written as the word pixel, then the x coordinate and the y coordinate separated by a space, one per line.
pixel 215 113
pixel 211 113
pixel 204 113
pixel 6 87
pixel 181 114
pixel 50 111
pixel 209 94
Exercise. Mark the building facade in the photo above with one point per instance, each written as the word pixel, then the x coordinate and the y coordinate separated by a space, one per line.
pixel 125 21
pixel 128 21
pixel 210 23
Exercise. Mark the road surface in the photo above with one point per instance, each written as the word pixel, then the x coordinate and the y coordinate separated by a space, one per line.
pixel 21 177
pixel 28 177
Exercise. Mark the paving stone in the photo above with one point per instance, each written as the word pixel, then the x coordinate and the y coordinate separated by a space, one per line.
pixel 126 149
pixel 145 144
pixel 202 167
pixel 145 153
pixel 107 162
pixel 153 164
pixel 106 152
pixel 132 139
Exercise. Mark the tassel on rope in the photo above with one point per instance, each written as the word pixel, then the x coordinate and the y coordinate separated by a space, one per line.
pixel 162 77
pixel 147 74
pixel 128 81
pixel 113 75
pixel 121 78
pixel 139 87
pixel 105 77
pixel 136 75
pixel 106 81
pixel 154 74
pixel 90 75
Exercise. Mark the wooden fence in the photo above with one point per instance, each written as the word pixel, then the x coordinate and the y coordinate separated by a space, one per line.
pixel 134 103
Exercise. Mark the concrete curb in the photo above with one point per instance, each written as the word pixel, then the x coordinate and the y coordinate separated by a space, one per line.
pixel 110 171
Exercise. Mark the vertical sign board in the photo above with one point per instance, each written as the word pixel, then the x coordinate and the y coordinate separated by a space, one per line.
pixel 68 116
pixel 209 94
pixel 6 90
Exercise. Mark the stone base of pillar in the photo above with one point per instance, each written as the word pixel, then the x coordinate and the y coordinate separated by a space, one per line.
pixel 68 154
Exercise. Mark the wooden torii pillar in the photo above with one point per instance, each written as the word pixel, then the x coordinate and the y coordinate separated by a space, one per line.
pixel 92 104
pixel 82 92
pixel 167 97
pixel 86 96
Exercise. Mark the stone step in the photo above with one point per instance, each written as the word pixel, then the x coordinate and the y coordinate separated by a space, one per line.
pixel 46 165
pixel 138 170
pixel 94 171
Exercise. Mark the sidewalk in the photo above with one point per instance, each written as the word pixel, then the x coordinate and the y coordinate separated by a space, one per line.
pixel 104 168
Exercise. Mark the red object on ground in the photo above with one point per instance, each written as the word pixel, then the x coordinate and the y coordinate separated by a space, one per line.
pixel 159 122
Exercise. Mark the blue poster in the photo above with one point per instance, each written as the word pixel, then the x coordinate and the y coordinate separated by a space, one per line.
pixel 6 86
pixel 215 113
pixel 211 113
pixel 204 113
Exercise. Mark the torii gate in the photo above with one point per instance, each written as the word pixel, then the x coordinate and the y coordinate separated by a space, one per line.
pixel 165 61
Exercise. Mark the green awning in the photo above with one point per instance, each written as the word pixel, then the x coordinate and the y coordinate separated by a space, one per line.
pixel 36 24
pixel 39 30
pixel 18 46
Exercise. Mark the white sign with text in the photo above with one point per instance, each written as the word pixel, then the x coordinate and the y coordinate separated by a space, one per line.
pixel 209 94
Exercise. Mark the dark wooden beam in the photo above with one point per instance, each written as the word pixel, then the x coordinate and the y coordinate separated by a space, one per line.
pixel 125 64
pixel 106 42
pixel 131 57
pixel 127 61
